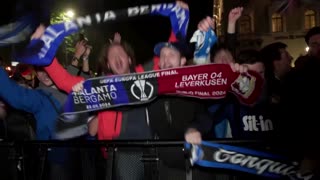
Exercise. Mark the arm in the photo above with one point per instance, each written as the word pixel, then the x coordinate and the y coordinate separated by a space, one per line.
pixel 75 71
pixel 80 49
pixel 85 65
pixel 93 126
pixel 209 115
pixel 231 37
pixel 85 59
pixel 202 120
pixel 231 42
pixel 61 77
pixel 179 18
pixel 204 38
pixel 17 96
pixel 179 35
pixel 183 31
pixel 73 68
pixel 233 17
pixel 203 123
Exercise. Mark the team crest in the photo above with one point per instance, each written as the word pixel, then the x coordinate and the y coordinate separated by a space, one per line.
pixel 142 90
pixel 244 85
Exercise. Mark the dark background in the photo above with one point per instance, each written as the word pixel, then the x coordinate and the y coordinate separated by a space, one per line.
pixel 141 32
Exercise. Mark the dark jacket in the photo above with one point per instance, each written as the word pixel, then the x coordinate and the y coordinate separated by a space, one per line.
pixel 170 117
pixel 299 110
pixel 246 122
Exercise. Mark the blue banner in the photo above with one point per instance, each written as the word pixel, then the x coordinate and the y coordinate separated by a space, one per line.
pixel 215 155
pixel 18 31
pixel 42 51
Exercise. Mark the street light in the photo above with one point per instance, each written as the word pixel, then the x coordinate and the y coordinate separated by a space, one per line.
pixel 70 13
pixel 67 16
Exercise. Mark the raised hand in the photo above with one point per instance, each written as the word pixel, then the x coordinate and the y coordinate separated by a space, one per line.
pixel 206 23
pixel 193 136
pixel 87 51
pixel 182 4
pixel 80 48
pixel 38 32
pixel 235 14
pixel 117 37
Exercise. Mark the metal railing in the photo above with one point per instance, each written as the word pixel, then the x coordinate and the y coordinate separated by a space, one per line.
pixel 148 159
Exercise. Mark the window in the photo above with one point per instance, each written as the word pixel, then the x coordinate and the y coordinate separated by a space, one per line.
pixel 309 19
pixel 277 23
pixel 245 24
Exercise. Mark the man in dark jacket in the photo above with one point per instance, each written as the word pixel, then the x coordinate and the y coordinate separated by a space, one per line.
pixel 299 129
pixel 171 116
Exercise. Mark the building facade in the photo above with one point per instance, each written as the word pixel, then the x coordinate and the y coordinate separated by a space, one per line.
pixel 267 21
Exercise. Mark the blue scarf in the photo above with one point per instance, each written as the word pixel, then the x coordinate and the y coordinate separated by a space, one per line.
pixel 215 155
pixel 17 31
pixel 203 43
pixel 211 81
pixel 42 51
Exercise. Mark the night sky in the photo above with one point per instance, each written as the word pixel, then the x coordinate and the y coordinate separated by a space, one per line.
pixel 141 32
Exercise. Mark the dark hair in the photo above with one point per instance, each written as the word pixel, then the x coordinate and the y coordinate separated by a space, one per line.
pixel 313 31
pixel 38 68
pixel 272 52
pixel 307 63
pixel 217 47
pixel 103 58
pixel 17 77
pixel 20 68
pixel 249 56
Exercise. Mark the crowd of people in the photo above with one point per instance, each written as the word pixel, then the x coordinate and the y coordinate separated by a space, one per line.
pixel 283 114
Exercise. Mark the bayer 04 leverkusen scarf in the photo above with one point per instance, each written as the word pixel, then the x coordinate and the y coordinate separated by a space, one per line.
pixel 214 155
pixel 211 81
pixel 42 51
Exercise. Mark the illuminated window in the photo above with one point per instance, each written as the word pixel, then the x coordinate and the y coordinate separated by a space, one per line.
pixel 277 23
pixel 245 24
pixel 309 19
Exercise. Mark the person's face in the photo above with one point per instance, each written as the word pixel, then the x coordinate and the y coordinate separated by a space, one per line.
pixel 223 56
pixel 170 58
pixel 283 65
pixel 118 60
pixel 44 78
pixel 257 67
pixel 314 45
